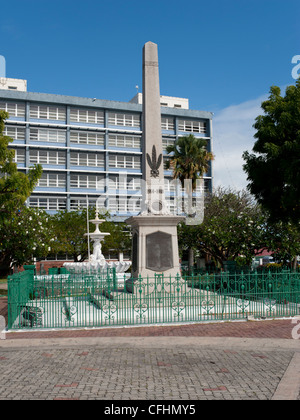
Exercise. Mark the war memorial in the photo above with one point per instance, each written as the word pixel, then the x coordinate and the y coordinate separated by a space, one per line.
pixel 152 290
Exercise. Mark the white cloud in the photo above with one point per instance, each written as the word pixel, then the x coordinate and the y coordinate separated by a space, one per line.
pixel 233 134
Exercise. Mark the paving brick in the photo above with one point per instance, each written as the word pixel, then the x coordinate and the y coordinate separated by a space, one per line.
pixel 137 373
pixel 130 372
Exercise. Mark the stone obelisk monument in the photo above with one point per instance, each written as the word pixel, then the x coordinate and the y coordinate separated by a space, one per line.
pixel 154 230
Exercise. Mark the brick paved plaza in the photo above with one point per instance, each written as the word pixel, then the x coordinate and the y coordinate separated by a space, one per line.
pixel 256 360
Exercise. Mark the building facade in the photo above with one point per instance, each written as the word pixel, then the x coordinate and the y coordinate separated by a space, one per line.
pixel 91 149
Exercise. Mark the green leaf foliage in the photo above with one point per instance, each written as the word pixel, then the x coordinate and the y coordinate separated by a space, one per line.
pixel 273 169
pixel 26 235
pixel 15 186
pixel 189 158
pixel 236 228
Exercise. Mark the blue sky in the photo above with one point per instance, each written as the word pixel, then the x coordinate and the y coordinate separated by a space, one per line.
pixel 221 54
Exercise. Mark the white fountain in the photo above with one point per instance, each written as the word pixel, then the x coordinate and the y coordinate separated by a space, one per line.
pixel 97 262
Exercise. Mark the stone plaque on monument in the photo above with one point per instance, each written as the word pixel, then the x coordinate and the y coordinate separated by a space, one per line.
pixel 159 251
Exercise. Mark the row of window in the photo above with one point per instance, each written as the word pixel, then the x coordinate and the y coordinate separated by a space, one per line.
pixel 88 116
pixel 118 204
pixel 113 204
pixel 78 115
pixel 97 182
pixel 53 157
pixel 96 160
pixel 78 137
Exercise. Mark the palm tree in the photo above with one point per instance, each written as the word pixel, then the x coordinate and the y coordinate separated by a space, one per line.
pixel 189 160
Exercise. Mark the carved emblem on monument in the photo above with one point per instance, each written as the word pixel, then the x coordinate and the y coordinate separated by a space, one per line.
pixel 154 163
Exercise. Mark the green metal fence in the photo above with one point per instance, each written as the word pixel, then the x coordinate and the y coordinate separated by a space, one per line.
pixel 103 299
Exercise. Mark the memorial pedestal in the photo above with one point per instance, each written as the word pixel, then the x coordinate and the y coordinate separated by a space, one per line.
pixel 154 245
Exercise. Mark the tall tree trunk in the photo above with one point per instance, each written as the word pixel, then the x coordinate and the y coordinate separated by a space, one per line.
pixel 4 266
pixel 191 259
pixel 295 262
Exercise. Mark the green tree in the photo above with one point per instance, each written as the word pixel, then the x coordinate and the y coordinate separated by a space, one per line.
pixel 233 227
pixel 70 232
pixel 119 239
pixel 70 229
pixel 15 186
pixel 274 168
pixel 189 159
pixel 25 235
pixel 283 239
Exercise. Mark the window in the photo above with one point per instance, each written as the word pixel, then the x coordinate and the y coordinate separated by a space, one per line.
pixel 118 204
pixel 167 142
pixel 121 161
pixel 48 112
pixel 129 120
pixel 171 204
pixel 52 180
pixel 43 134
pixel 124 183
pixel 86 116
pixel 192 126
pixel 134 183
pixel 167 123
pixel 81 203
pixel 47 157
pixel 16 133
pixel 87 159
pixel 48 203
pixel 87 181
pixel 133 204
pixel 80 137
pixel 15 109
pixel 19 155
pixel 118 140
pixel 170 184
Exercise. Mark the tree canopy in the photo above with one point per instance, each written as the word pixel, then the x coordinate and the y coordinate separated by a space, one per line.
pixel 237 228
pixel 189 158
pixel 70 231
pixel 233 227
pixel 23 236
pixel 274 168
pixel 15 186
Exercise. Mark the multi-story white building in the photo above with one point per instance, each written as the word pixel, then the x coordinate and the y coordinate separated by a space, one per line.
pixel 91 148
